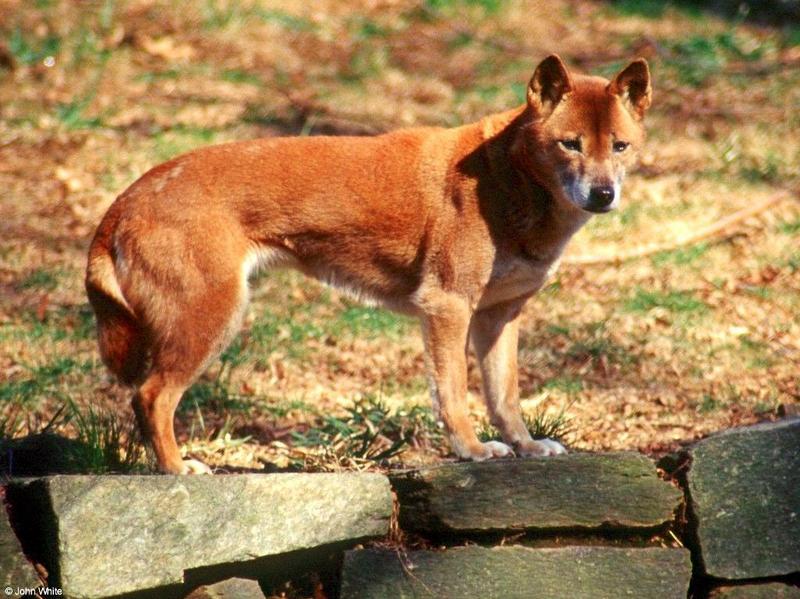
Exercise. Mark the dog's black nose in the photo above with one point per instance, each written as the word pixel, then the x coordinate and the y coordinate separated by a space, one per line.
pixel 600 198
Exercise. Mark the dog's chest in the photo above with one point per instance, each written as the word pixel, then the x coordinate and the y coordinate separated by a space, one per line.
pixel 516 277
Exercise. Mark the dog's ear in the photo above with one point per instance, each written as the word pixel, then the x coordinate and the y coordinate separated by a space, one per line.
pixel 548 85
pixel 632 85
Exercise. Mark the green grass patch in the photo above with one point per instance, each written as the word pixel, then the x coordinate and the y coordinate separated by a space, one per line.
pixel 763 408
pixel 368 61
pixel 650 9
pixel 233 13
pixel 682 256
pixel 283 408
pixel 151 76
pixel 28 51
pixel 759 353
pixel 489 7
pixel 58 369
pixel 180 140
pixel 790 227
pixel 372 322
pixel 31 329
pixel 72 115
pixel 770 168
pixel 364 28
pixel 41 280
pixel 105 444
pixel 540 424
pixel 567 384
pixel 217 15
pixel 697 58
pixel 656 9
pixel 679 302
pixel 520 91
pixel 216 395
pixel 18 392
pixel 285 20
pixel 240 76
pixel 793 262
pixel 546 426
pixel 369 430
pixel 291 331
pixel 593 343
pixel 629 215
pixel 460 40
pixel 758 291
pixel 288 332
pixel 590 342
pixel 62 323
pixel 791 36
pixel 42 381
pixel 611 225
pixel 708 404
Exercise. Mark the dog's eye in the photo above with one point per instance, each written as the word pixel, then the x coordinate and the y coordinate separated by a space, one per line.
pixel 573 145
pixel 620 146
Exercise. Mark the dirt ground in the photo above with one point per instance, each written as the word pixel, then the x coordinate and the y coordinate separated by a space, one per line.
pixel 643 353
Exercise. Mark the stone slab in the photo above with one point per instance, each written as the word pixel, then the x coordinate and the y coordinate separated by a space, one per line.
pixel 119 534
pixel 744 489
pixel 511 572
pixel 233 588
pixel 571 492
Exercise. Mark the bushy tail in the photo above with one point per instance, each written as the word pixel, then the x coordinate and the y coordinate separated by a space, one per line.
pixel 122 344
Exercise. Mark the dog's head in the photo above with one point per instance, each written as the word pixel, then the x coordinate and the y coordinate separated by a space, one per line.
pixel 585 131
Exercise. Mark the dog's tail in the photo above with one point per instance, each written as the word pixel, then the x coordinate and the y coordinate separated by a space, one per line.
pixel 119 332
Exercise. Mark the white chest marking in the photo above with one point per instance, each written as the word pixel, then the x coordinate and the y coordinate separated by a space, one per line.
pixel 516 278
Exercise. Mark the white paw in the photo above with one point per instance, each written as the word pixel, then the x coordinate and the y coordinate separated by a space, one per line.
pixel 542 447
pixel 195 467
pixel 492 449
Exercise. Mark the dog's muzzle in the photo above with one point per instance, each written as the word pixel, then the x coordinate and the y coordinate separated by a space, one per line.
pixel 601 199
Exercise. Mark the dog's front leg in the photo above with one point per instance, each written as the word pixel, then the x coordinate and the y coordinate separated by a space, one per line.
pixel 445 326
pixel 495 336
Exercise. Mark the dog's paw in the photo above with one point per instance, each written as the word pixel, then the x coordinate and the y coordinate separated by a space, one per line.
pixel 542 447
pixel 489 450
pixel 195 467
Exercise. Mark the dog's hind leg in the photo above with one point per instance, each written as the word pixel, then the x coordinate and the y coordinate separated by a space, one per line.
pixel 495 336
pixel 178 361
pixel 196 321
pixel 154 404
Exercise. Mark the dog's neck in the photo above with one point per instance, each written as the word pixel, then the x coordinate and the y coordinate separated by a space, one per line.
pixel 536 222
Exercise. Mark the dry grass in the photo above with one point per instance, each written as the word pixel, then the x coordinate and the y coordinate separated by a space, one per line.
pixel 645 354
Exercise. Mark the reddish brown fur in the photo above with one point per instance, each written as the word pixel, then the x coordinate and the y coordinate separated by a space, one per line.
pixel 456 226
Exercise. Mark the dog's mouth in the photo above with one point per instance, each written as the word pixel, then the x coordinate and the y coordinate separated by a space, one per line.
pixel 599 209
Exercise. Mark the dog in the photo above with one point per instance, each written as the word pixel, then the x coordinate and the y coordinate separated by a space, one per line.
pixel 458 227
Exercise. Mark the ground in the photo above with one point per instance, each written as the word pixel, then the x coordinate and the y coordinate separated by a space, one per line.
pixel 645 353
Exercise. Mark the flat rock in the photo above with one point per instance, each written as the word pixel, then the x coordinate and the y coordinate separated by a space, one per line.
pixel 773 590
pixel 118 534
pixel 513 571
pixel 15 569
pixel 744 488
pixel 577 491
pixel 233 588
